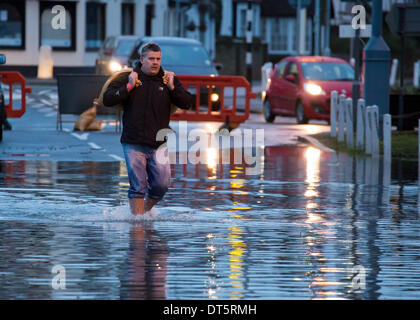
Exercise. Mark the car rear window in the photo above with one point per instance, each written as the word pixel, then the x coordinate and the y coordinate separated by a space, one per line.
pixel 125 47
pixel 327 71
pixel 184 55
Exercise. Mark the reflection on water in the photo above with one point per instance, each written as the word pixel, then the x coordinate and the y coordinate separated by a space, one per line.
pixel 307 225
pixel 145 268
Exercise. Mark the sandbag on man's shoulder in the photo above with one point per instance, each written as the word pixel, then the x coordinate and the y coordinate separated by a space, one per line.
pixel 115 81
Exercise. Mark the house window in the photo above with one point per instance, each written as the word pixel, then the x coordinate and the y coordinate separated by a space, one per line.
pixel 127 18
pixel 95 25
pixel 58 33
pixel 242 23
pixel 240 20
pixel 263 27
pixel 150 14
pixel 293 36
pixel 283 33
pixel 308 37
pixel 12 25
pixel 280 34
pixel 308 40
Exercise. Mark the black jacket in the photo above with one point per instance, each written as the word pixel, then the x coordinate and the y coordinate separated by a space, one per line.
pixel 147 107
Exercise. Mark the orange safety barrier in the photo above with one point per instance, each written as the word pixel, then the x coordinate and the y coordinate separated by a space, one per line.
pixel 228 115
pixel 12 78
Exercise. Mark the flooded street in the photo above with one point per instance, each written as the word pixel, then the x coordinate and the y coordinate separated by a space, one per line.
pixel 307 225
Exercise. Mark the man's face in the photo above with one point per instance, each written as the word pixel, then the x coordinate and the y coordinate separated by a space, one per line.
pixel 151 62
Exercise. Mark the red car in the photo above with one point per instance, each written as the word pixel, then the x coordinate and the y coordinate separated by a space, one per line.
pixel 301 86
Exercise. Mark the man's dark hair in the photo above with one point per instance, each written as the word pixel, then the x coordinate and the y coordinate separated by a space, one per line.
pixel 150 46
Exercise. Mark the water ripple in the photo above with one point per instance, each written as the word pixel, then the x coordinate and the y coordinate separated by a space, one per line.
pixel 302 229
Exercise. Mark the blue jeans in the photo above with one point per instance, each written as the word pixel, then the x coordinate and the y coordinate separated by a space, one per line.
pixel 148 169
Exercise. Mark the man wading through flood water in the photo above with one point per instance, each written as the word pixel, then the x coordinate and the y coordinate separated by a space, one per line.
pixel 146 111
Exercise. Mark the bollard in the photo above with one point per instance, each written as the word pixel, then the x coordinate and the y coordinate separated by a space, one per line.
pixel 387 138
pixel 386 181
pixel 360 124
pixel 45 66
pixel 368 131
pixel 349 122
pixel 368 170
pixel 374 178
pixel 374 133
pixel 341 117
pixel 333 113
pixel 360 170
pixel 371 176
pixel 386 174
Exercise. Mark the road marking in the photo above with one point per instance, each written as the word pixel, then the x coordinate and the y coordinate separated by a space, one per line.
pixel 43 91
pixel 66 130
pixel 94 146
pixel 82 136
pixel 316 143
pixel 116 157
pixel 52 114
pixel 47 92
pixel 48 103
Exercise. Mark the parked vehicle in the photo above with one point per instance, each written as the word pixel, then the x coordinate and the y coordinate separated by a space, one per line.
pixel 114 53
pixel 183 56
pixel 301 86
pixel 180 55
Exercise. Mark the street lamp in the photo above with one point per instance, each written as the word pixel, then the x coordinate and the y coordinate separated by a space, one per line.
pixel 376 58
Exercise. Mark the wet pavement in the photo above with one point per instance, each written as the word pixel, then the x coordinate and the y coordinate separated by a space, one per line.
pixel 302 224
pixel 35 137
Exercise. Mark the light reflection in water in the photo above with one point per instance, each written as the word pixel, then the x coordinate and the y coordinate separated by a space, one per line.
pixel 321 287
pixel 211 283
pixel 236 262
pixel 212 158
pixel 235 236
pixel 312 156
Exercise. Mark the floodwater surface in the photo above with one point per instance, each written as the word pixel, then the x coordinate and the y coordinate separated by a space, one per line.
pixel 304 225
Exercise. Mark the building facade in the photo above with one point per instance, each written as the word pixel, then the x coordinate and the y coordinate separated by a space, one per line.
pixel 76 34
pixel 76 29
pixel 274 22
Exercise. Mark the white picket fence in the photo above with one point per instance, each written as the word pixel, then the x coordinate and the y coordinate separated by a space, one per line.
pixel 367 125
